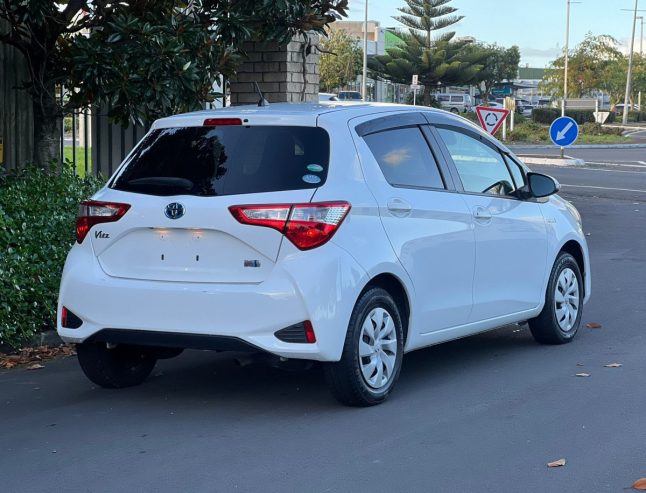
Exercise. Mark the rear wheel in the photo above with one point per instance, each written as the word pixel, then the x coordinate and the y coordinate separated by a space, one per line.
pixel 372 354
pixel 559 321
pixel 114 368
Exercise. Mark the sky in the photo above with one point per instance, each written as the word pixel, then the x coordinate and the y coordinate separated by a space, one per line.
pixel 537 27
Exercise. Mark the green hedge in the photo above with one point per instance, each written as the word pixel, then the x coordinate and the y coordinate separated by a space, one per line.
pixel 636 116
pixel 37 215
pixel 547 115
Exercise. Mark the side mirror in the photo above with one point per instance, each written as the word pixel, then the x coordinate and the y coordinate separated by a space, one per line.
pixel 542 185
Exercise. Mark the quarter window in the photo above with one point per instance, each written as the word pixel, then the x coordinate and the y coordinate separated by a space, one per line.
pixel 516 172
pixel 405 158
pixel 482 169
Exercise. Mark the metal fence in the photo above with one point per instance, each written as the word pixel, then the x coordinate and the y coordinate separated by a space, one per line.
pixel 89 142
pixel 16 115
pixel 93 145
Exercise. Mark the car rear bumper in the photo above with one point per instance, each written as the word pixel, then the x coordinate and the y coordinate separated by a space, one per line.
pixel 206 315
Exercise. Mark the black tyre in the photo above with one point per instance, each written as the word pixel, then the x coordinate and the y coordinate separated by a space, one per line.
pixel 165 352
pixel 559 321
pixel 454 110
pixel 372 353
pixel 115 368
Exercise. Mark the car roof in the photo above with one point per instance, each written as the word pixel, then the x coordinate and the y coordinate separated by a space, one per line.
pixel 284 113
pixel 307 114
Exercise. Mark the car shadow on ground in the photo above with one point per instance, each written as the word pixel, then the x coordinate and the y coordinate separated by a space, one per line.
pixel 199 381
pixel 208 378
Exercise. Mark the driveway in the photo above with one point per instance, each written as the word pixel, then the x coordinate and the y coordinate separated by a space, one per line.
pixel 482 414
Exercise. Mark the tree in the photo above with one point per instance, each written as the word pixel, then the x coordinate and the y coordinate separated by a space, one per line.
pixel 594 65
pixel 639 77
pixel 437 60
pixel 340 60
pixel 145 58
pixel 500 64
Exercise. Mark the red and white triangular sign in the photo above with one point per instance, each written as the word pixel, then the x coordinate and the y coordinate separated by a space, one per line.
pixel 491 118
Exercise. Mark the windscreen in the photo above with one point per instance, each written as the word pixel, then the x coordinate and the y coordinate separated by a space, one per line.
pixel 226 160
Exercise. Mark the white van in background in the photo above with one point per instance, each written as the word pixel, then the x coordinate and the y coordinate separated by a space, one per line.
pixel 455 103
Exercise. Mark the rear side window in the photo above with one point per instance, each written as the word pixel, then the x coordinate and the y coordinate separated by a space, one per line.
pixel 405 158
pixel 226 160
pixel 457 99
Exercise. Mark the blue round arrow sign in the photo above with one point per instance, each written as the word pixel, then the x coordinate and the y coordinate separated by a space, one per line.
pixel 564 131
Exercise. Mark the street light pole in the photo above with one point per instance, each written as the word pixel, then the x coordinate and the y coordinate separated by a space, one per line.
pixel 641 55
pixel 630 67
pixel 567 56
pixel 365 54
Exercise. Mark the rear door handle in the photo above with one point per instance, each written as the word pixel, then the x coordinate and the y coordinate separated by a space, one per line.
pixel 399 207
pixel 481 214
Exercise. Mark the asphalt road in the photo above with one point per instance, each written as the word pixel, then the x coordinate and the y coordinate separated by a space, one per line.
pixel 626 156
pixel 482 414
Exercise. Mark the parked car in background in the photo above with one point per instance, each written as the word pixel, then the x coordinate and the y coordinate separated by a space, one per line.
pixel 524 107
pixel 455 103
pixel 349 96
pixel 619 108
pixel 327 96
pixel 494 104
pixel 344 234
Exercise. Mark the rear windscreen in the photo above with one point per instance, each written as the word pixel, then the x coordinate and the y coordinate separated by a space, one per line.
pixel 226 160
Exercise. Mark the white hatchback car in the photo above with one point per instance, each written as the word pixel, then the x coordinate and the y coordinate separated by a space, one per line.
pixel 342 233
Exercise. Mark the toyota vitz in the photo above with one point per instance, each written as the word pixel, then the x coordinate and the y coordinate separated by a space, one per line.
pixel 342 233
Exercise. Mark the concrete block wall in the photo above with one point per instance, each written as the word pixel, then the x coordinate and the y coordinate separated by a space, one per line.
pixel 283 72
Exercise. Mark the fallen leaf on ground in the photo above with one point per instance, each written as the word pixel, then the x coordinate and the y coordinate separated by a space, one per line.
pixel 35 366
pixel 640 484
pixel 580 364
pixel 35 355
pixel 593 325
pixel 582 374
pixel 556 463
pixel 613 365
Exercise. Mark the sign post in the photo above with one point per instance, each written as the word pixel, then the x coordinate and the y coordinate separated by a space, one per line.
pixel 564 131
pixel 491 119
pixel 415 86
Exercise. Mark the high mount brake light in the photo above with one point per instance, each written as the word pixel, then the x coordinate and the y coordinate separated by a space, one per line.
pixel 93 212
pixel 307 225
pixel 214 122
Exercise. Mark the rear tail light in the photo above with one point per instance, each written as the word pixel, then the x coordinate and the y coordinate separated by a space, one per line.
pixel 93 212
pixel 306 225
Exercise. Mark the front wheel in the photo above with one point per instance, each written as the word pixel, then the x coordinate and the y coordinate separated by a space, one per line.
pixel 559 321
pixel 372 353
pixel 115 367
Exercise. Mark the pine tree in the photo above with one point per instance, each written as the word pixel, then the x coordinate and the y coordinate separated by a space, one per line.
pixel 436 57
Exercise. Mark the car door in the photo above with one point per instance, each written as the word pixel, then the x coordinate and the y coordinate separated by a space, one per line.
pixel 427 223
pixel 511 238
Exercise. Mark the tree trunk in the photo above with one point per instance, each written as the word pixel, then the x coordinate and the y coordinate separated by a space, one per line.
pixel 47 137
pixel 427 95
